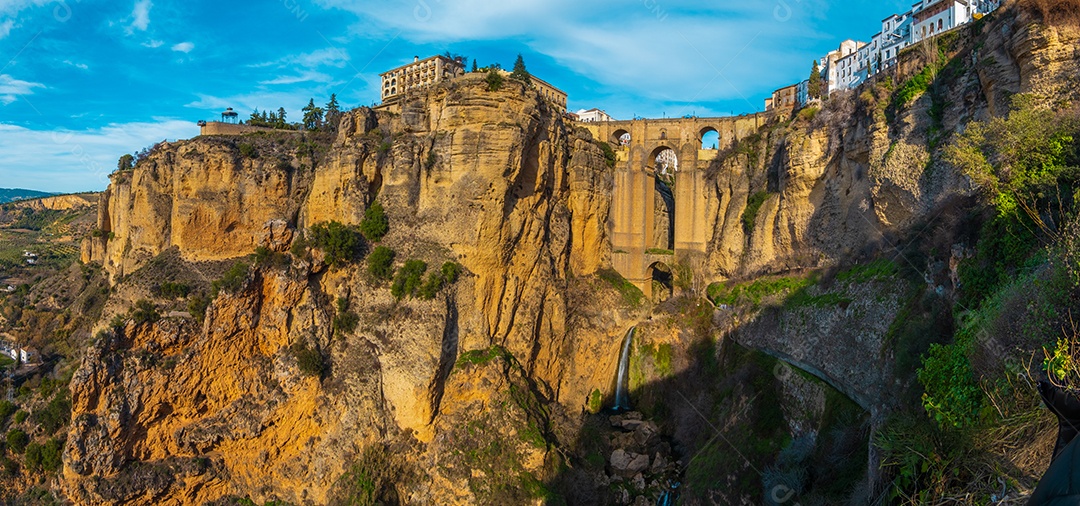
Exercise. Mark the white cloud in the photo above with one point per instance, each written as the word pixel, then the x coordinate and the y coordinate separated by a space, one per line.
pixel 153 44
pixel 309 76
pixel 77 160
pixel 663 50
pixel 332 57
pixel 140 16
pixel 80 66
pixel 11 89
pixel 5 28
pixel 183 47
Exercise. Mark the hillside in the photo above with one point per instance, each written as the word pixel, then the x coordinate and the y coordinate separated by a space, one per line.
pixel 12 194
pixel 420 307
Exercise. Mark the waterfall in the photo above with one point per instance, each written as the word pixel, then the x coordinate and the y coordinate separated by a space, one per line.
pixel 622 398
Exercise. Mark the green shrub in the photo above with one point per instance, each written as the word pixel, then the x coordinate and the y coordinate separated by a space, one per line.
pixel 46 457
pixel 447 275
pixel 345 321
pixel 408 279
pixel 171 290
pixel 596 401
pixel 197 307
pixel 375 224
pixel 20 416
pixel 17 440
pixel 56 414
pixel 494 80
pixel 753 205
pixel 809 113
pixel 880 268
pixel 340 243
pixel 451 271
pixel 384 148
pixel 381 262
pixel 232 281
pixel 7 408
pixel 915 86
pixel 309 360
pixel 269 257
pixel 145 312
pixel 631 294
pixel 609 154
pixel 247 150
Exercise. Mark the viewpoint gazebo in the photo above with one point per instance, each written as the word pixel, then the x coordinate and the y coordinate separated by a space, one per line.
pixel 230 116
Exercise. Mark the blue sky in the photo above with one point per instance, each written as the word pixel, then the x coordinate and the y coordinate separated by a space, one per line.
pixel 84 81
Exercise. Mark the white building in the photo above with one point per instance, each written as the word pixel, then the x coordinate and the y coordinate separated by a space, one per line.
pixel 895 36
pixel 593 116
pixel 936 16
pixel 841 65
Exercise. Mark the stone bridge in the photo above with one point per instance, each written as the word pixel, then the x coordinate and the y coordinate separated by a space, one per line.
pixel 659 209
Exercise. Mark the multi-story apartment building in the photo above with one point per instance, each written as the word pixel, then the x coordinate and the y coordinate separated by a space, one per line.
pixel 895 36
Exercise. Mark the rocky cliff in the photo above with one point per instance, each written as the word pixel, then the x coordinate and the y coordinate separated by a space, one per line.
pixel 476 395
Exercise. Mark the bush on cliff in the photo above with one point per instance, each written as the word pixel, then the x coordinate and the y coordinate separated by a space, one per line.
pixel 232 281
pixel 494 80
pixel 408 279
pixel 381 263
pixel 309 360
pixel 340 243
pixel 447 275
pixel 375 223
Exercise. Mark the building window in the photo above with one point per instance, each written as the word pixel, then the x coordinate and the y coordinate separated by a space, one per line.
pixel 939 24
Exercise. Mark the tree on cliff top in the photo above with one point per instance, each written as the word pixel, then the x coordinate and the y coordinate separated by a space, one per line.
pixel 126 162
pixel 333 112
pixel 815 81
pixel 494 79
pixel 520 73
pixel 313 116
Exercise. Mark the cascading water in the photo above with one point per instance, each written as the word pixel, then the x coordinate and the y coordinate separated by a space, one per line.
pixel 622 379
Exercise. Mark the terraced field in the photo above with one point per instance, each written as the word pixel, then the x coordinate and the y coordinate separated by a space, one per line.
pixel 53 236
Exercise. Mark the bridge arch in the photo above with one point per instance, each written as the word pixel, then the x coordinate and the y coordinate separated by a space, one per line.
pixel 620 138
pixel 665 160
pixel 710 138
pixel 663 281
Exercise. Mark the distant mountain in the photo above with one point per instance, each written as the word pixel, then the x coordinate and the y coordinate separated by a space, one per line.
pixel 11 194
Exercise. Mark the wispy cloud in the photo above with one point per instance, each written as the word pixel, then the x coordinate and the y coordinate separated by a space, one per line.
pixel 331 57
pixel 153 44
pixel 183 47
pixel 80 66
pixel 78 160
pixel 5 28
pixel 11 89
pixel 309 76
pixel 140 16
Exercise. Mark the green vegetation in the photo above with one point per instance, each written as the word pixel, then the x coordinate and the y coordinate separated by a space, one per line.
pixel 7 408
pixel 197 306
pixel 609 154
pixel 375 223
pixel 481 357
pixel 373 479
pixel 880 268
pixel 36 220
pixel 809 113
pixel 46 457
pixel 340 243
pixel 446 275
pixel 659 251
pixel 266 256
pixel 346 320
pixel 56 414
pixel 815 84
pixel 596 401
pixel 309 360
pixel 494 80
pixel 520 73
pixel 21 416
pixel 171 290
pixel 17 440
pixel 631 294
pixel 408 279
pixel 247 150
pixel 381 263
pixel 232 281
pixel 915 86
pixel 753 293
pixel 145 312
pixel 753 205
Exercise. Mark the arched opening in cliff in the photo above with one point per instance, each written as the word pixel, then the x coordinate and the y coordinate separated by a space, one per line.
pixel 710 138
pixel 664 198
pixel 620 138
pixel 662 281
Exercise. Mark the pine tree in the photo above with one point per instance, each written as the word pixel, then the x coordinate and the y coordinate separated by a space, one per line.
pixel 520 73
pixel 474 67
pixel 254 119
pixel 333 112
pixel 814 88
pixel 313 116
pixel 281 118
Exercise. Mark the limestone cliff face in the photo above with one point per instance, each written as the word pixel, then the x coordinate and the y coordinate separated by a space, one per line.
pixel 183 412
pixel 865 167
